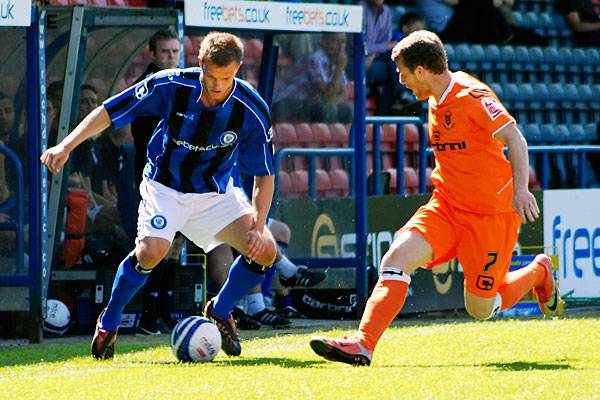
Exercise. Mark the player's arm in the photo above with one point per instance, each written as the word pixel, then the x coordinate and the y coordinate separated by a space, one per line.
pixel 580 26
pixel 93 124
pixel 524 202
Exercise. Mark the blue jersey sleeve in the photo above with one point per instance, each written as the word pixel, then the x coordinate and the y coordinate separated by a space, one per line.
pixel 141 99
pixel 256 152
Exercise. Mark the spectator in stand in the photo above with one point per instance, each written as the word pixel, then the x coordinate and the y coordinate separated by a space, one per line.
pixel 157 293
pixel 467 21
pixel 314 88
pixel 380 69
pixel 408 23
pixel 583 16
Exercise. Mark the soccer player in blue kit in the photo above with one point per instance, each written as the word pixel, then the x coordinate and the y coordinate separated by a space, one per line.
pixel 209 120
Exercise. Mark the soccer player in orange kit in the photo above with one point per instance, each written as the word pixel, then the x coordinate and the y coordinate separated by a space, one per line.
pixel 479 201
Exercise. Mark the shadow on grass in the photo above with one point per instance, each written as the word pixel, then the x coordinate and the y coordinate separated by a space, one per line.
pixel 528 365
pixel 245 362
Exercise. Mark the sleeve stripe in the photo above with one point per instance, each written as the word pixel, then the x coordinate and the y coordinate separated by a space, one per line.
pixel 512 121
pixel 256 115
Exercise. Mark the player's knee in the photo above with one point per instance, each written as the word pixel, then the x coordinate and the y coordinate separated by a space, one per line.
pixel 267 257
pixel 483 310
pixel 150 252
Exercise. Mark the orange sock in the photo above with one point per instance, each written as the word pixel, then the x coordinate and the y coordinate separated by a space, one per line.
pixel 385 303
pixel 518 283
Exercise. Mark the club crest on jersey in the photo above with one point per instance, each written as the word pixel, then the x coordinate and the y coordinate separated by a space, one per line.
pixel 158 222
pixel 448 123
pixel 141 90
pixel 492 107
pixel 228 137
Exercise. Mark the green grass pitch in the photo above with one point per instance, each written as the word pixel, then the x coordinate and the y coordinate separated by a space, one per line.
pixel 417 359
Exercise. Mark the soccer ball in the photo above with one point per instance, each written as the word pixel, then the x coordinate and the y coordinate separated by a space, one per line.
pixel 57 319
pixel 195 339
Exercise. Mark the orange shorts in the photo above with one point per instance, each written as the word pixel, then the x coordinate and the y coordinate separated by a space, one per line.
pixel 482 243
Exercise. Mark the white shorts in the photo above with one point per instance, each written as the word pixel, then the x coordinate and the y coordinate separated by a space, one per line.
pixel 199 216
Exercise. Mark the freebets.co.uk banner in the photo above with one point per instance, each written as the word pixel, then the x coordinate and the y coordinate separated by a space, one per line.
pixel 261 15
pixel 15 12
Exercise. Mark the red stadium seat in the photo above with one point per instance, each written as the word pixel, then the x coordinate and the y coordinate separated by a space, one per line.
pixel 118 3
pixel 340 182
pixel 299 183
pixel 285 135
pixel 59 2
pixel 285 184
pixel 304 134
pixel 388 137
pixel 322 134
pixel 411 180
pixel 411 137
pixel 339 135
pixel 101 3
pixel 324 186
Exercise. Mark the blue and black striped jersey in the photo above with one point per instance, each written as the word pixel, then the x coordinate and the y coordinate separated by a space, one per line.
pixel 194 147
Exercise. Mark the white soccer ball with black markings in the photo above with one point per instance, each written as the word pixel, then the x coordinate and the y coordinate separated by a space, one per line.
pixel 58 318
pixel 195 339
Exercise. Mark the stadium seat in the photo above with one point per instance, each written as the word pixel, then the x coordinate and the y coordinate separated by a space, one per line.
pixel 339 135
pixel 504 64
pixel 521 64
pixel 411 181
pixel 59 2
pixel 411 137
pixel 323 182
pixel 340 181
pixel 590 67
pixel 299 180
pixel 536 59
pixel 577 134
pixel 522 105
pixel 591 133
pixel 553 110
pixel 497 88
pixel 570 104
pixel 136 3
pixel 100 3
pixel 532 134
pixel 475 59
pixel 285 184
pixel 511 95
pixel 322 134
pixel 285 135
pixel 490 62
pixel 551 58
pixel 388 137
pixel 304 134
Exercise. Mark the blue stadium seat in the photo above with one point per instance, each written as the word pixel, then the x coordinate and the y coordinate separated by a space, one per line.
pixel 475 60
pixel 595 101
pixel 523 105
pixel 536 59
pixel 545 26
pixel 589 68
pixel 577 134
pixel 530 20
pixel 507 58
pixel 520 64
pixel 551 58
pixel 565 34
pixel 511 95
pixel 518 18
pixel 490 63
pixel 571 104
pixel 532 134
pixel 497 88
pixel 591 133
pixel 553 104
pixel 549 134
pixel 449 51
pixel 585 97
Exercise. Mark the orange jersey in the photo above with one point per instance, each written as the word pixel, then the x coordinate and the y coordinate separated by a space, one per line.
pixel 471 171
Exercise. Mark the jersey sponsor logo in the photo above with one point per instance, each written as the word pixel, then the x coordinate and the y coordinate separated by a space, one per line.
pixel 158 222
pixel 492 107
pixel 446 146
pixel 141 90
pixel 193 147
pixel 228 137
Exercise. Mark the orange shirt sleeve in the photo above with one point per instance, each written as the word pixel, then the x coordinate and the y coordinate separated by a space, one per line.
pixel 489 113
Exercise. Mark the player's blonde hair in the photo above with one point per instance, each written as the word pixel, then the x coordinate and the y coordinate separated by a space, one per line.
pixel 422 48
pixel 221 48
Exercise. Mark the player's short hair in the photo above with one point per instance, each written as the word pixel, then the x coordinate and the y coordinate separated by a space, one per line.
pixel 422 48
pixel 87 86
pixel 163 34
pixel 221 49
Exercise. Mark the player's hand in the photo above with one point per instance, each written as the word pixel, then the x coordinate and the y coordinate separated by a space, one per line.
pixel 526 206
pixel 256 243
pixel 55 158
